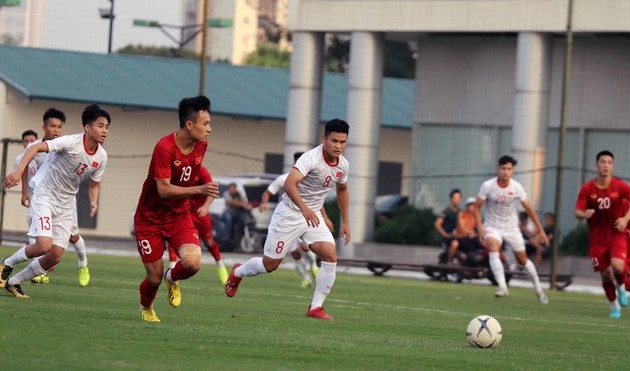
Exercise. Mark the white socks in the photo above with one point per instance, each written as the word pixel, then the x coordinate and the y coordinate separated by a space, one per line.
pixel 32 270
pixel 252 267
pixel 79 247
pixel 17 257
pixel 533 275
pixel 323 283
pixel 497 269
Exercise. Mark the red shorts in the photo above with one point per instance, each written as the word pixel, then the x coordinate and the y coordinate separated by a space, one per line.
pixel 203 225
pixel 151 238
pixel 602 255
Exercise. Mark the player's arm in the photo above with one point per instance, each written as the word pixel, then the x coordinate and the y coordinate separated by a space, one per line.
pixel 94 190
pixel 290 187
pixel 581 212
pixel 343 199
pixel 327 220
pixel 25 201
pixel 13 179
pixel 438 226
pixel 478 221
pixel 264 201
pixel 540 231
pixel 167 190
pixel 622 222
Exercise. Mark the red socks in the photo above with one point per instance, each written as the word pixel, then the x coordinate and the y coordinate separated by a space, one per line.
pixel 147 293
pixel 180 273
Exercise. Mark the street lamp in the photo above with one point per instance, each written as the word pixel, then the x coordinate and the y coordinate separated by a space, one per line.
pixel 108 14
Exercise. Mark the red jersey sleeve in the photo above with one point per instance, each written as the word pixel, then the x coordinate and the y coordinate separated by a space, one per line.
pixel 162 162
pixel 582 199
pixel 624 190
pixel 204 175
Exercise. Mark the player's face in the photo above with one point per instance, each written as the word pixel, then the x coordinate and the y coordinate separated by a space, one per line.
pixel 605 166
pixel 200 128
pixel 98 129
pixel 505 172
pixel 52 128
pixel 28 140
pixel 335 143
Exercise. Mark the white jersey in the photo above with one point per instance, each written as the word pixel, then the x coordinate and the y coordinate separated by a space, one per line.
pixel 67 165
pixel 319 178
pixel 501 203
pixel 33 166
pixel 278 184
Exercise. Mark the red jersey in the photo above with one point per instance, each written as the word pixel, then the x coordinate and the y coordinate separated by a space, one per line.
pixel 203 177
pixel 168 162
pixel 608 204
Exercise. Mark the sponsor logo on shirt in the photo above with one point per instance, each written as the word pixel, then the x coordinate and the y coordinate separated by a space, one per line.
pixel 95 164
pixel 198 160
pixel 593 196
pixel 177 162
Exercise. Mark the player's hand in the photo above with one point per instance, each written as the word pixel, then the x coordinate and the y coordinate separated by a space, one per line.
pixel 12 180
pixel 25 201
pixel 329 224
pixel 621 224
pixel 210 189
pixel 544 240
pixel 311 218
pixel 344 233
pixel 263 207
pixel 588 213
pixel 202 212
pixel 93 209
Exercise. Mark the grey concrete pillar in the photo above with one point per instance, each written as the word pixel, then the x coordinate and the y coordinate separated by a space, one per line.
pixel 302 127
pixel 529 132
pixel 364 117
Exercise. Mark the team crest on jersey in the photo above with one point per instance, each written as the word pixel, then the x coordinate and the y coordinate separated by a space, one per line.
pixel 198 160
pixel 177 162
pixel 95 164
pixel 510 193
pixel 339 174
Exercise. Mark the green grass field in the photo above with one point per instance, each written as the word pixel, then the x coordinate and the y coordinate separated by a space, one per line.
pixel 381 323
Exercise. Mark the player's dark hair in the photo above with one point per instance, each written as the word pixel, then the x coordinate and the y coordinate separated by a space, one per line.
pixel 297 155
pixel 29 132
pixel 507 159
pixel 604 153
pixel 93 112
pixel 53 113
pixel 189 108
pixel 454 191
pixel 336 126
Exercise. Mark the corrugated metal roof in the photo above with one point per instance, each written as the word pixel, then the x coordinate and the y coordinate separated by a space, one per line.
pixel 159 83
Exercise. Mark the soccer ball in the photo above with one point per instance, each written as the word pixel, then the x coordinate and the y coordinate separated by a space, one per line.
pixel 484 332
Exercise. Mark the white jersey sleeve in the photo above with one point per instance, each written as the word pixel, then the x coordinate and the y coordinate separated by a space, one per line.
pixel 278 184
pixel 33 166
pixel 319 177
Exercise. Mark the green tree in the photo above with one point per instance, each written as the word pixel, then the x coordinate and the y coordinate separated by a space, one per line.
pixel 269 55
pixel 156 51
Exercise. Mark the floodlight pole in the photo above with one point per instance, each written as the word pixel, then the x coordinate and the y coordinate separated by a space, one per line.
pixel 202 55
pixel 561 136
pixel 111 27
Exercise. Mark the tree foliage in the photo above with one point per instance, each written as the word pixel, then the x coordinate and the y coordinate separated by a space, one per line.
pixel 269 55
pixel 157 51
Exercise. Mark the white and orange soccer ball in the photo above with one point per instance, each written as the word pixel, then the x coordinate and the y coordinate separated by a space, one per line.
pixel 484 332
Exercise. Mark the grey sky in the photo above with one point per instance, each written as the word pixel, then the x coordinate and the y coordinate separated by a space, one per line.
pixel 76 24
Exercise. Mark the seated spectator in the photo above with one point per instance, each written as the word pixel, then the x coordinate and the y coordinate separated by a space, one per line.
pixel 237 210
pixel 447 220
pixel 535 250
pixel 466 248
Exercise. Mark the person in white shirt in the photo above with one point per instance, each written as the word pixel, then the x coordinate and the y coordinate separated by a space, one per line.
pixel 501 195
pixel 305 259
pixel 74 158
pixel 53 121
pixel 299 216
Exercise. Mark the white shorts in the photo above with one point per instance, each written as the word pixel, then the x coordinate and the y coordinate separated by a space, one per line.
pixel 48 220
pixel 75 222
pixel 513 238
pixel 286 228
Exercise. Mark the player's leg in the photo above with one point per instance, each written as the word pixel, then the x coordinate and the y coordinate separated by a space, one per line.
pixel 301 266
pixel 610 291
pixel 309 258
pixel 204 228
pixel 493 241
pixel 41 229
pixel 618 254
pixel 172 257
pixel 516 242
pixel 285 228
pixel 77 241
pixel 150 244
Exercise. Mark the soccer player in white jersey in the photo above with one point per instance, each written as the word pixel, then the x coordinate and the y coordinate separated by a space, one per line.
pixel 74 158
pixel 299 216
pixel 53 125
pixel 501 195
pixel 305 259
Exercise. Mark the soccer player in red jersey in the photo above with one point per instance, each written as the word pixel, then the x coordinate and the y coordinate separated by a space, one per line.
pixel 199 211
pixel 601 203
pixel 163 211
